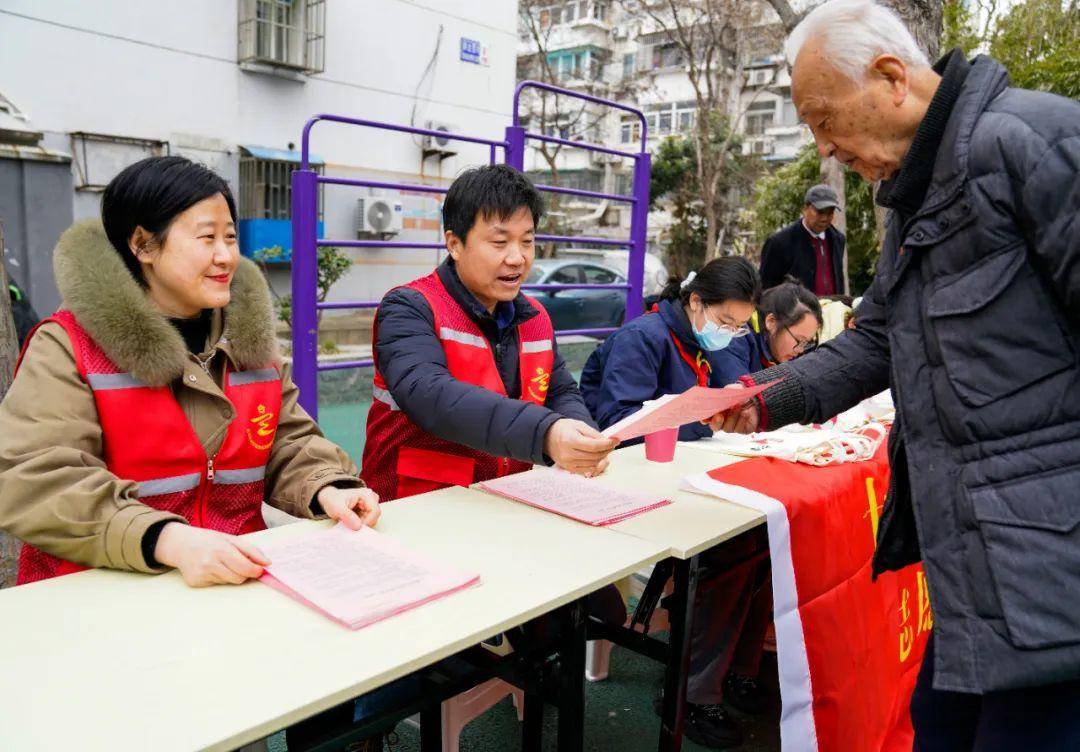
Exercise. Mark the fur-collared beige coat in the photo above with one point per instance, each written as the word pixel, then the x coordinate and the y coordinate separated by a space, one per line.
pixel 55 491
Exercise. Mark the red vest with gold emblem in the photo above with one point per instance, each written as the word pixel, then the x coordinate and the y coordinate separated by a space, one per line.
pixel 147 439
pixel 400 458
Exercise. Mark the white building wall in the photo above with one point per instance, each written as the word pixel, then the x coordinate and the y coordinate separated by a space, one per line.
pixel 169 72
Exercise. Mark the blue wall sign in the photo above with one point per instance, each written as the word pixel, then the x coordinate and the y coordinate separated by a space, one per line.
pixel 471 50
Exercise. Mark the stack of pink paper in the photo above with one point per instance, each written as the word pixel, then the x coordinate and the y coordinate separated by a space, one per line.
pixel 357 577
pixel 573 496
pixel 673 410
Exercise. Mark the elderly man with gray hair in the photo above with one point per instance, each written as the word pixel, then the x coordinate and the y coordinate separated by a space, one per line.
pixel 973 321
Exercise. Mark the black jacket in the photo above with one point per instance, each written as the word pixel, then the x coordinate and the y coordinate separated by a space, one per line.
pixel 22 312
pixel 411 360
pixel 790 251
pixel 973 320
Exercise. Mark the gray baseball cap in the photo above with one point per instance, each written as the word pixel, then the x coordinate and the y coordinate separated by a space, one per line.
pixel 823 197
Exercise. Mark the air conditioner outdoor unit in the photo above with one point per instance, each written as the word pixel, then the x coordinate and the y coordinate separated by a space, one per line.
pixel 440 145
pixel 378 214
pixel 599 158
pixel 620 32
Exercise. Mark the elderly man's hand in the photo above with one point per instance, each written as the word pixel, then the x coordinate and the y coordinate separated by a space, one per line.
pixel 745 418
pixel 578 447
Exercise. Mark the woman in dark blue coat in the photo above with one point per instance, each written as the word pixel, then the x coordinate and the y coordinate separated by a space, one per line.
pixel 665 352
pixel 784 327
pixel 675 347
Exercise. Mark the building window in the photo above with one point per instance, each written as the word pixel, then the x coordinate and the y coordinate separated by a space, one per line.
pixel 585 65
pixel 668 55
pixel 582 180
pixel 629 62
pixel 98 157
pixel 759 116
pixel 630 129
pixel 670 117
pixel 266 188
pixel 567 13
pixel 663 121
pixel 283 33
pixel 791 116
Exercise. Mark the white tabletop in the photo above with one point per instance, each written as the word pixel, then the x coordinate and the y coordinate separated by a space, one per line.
pixel 115 661
pixel 692 523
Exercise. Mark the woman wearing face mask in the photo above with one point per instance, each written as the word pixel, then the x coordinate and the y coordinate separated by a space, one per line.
pixel 676 346
pixel 784 327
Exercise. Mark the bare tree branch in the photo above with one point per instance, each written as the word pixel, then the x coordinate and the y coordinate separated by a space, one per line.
pixel 788 17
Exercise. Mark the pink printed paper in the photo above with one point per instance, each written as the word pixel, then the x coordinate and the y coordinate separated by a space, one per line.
pixel 696 404
pixel 357 577
pixel 573 496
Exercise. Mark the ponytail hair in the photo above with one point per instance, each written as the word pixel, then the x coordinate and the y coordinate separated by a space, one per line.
pixel 722 279
pixel 789 302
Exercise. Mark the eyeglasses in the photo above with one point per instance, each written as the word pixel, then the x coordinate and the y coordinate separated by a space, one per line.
pixel 734 331
pixel 802 346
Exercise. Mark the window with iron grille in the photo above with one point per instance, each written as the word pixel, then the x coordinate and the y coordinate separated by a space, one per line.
pixel 759 116
pixel 283 33
pixel 98 157
pixel 266 188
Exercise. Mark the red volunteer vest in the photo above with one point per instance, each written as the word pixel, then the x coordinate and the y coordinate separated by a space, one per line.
pixel 147 438
pixel 401 459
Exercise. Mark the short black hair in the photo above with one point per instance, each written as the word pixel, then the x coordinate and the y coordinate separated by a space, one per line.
pixel 722 279
pixel 490 191
pixel 789 302
pixel 150 194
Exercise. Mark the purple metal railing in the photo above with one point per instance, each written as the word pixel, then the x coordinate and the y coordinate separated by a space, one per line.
pixel 305 186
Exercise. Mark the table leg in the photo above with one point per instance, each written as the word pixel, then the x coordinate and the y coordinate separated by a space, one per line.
pixel 673 714
pixel 532 722
pixel 431 727
pixel 572 679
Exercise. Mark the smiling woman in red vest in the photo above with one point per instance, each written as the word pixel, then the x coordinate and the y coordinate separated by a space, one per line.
pixel 149 417
pixel 469 384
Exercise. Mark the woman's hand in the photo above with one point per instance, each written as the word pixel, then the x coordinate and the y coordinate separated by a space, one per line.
pixel 353 507
pixel 208 557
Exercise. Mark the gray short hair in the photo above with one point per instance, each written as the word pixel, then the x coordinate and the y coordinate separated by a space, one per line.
pixel 855 32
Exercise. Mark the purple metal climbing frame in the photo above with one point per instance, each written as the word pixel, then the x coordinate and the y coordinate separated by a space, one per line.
pixel 305 187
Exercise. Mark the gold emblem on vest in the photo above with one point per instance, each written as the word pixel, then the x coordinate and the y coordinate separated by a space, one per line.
pixel 264 429
pixel 538 385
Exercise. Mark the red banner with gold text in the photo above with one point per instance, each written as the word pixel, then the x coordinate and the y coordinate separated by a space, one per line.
pixel 848 648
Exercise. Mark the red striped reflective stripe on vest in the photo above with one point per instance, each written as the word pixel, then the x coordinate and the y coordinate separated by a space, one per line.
pixel 400 459
pixel 146 438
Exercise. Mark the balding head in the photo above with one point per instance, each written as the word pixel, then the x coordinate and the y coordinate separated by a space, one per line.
pixel 861 83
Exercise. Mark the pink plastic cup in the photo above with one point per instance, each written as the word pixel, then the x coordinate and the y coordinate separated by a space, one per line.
pixel 660 445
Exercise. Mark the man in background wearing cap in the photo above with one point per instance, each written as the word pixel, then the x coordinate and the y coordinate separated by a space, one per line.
pixel 811 250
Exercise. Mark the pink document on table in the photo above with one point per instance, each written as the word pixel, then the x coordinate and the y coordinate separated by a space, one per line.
pixel 673 410
pixel 573 496
pixel 357 577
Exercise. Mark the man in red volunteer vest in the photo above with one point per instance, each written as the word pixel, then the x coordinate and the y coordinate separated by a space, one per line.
pixel 469 384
